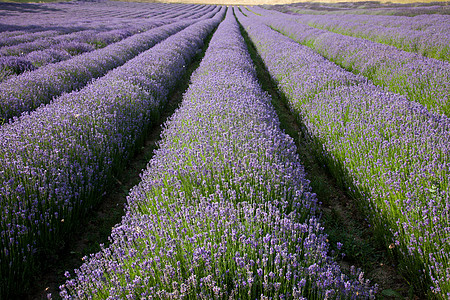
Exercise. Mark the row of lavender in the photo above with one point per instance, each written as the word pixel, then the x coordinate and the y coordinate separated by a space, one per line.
pixel 58 160
pixel 11 38
pixel 129 10
pixel 27 25
pixel 29 56
pixel 55 16
pixel 32 89
pixel 224 210
pixel 26 52
pixel 96 35
pixel 431 24
pixel 428 36
pixel 391 153
pixel 368 8
pixel 423 80
pixel 91 30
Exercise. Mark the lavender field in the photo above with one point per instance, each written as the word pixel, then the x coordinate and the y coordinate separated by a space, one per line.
pixel 225 207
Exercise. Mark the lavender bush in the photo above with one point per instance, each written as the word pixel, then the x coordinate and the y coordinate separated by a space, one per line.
pixel 58 160
pixel 423 80
pixel 390 152
pixel 41 44
pixel 42 58
pixel 224 210
pixel 14 65
pixel 63 47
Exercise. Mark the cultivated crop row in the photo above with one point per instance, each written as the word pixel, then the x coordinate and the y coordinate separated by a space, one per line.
pixel 31 89
pixel 32 55
pixel 11 38
pixel 27 52
pixel 427 36
pixel 224 210
pixel 58 160
pixel 83 14
pixel 93 38
pixel 423 80
pixel 432 24
pixel 403 11
pixel 390 152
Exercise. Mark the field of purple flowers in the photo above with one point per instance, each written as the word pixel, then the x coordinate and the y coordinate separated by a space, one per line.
pixel 224 208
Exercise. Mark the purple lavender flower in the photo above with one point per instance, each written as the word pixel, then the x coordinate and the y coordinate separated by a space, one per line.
pixel 426 35
pixel 13 66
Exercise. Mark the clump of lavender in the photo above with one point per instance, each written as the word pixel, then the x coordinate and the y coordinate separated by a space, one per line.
pixel 10 66
pixel 388 151
pixel 58 160
pixel 79 41
pixel 48 56
pixel 13 37
pixel 224 210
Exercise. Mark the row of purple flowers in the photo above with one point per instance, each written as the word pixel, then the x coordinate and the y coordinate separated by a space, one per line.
pixel 29 56
pixel 96 38
pixel 58 160
pixel 32 89
pixel 27 52
pixel 428 36
pixel 59 16
pixel 391 153
pixel 423 80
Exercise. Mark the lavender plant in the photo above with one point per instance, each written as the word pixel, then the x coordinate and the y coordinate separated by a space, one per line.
pixel 42 52
pixel 58 160
pixel 391 153
pixel 42 58
pixel 377 9
pixel 224 210
pixel 41 44
pixel 423 80
pixel 13 66
pixel 81 15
